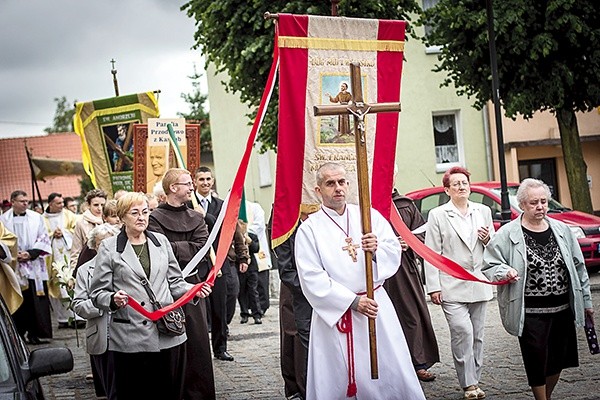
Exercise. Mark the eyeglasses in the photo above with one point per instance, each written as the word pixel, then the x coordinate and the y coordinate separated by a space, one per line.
pixel 137 214
pixel 459 184
pixel 188 184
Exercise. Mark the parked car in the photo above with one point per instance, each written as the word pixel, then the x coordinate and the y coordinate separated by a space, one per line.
pixel 586 227
pixel 20 369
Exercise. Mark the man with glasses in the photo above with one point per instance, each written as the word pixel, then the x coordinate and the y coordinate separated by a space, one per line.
pixel 187 232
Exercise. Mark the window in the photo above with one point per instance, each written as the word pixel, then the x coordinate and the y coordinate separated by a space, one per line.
pixel 427 4
pixel 544 169
pixel 446 137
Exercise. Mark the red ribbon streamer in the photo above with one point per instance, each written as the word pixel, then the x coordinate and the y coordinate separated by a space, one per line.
pixel 437 260
pixel 235 199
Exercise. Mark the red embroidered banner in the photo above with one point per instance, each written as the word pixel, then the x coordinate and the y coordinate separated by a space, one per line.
pixel 315 56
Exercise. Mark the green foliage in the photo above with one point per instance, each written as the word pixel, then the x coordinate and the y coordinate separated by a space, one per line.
pixel 86 185
pixel 236 38
pixel 63 116
pixel 548 52
pixel 548 60
pixel 198 113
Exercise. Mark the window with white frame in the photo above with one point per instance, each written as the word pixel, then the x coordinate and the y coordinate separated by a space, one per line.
pixel 427 4
pixel 447 140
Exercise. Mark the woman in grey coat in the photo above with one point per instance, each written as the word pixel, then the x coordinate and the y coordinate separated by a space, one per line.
pixel 549 290
pixel 147 363
pixel 96 330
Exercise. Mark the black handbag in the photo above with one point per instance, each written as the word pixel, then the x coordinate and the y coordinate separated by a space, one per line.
pixel 590 335
pixel 173 322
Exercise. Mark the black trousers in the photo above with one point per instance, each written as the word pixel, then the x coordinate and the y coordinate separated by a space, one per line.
pixel 218 311
pixel 293 354
pixel 263 290
pixel 233 290
pixel 248 297
pixel 33 316
pixel 148 375
pixel 199 376
pixel 103 369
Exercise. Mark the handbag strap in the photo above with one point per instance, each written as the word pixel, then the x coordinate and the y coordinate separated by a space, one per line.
pixel 146 285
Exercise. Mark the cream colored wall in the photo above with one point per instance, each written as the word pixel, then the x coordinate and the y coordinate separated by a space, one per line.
pixel 421 96
pixel 230 130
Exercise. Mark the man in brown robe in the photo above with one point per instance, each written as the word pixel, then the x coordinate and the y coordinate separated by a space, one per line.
pixel 405 289
pixel 187 232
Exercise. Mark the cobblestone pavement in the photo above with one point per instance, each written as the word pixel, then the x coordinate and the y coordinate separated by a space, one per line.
pixel 255 373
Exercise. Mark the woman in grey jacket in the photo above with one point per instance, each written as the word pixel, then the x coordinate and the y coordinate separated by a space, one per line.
pixel 148 364
pixel 96 330
pixel 549 291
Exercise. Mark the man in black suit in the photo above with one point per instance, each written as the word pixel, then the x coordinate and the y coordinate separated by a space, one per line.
pixel 224 290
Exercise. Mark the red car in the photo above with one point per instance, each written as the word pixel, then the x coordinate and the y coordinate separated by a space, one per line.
pixel 586 227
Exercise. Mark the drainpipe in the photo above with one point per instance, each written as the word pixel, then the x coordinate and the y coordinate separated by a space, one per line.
pixel 488 142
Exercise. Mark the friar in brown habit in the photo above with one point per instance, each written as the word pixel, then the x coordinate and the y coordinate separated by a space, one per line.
pixel 405 289
pixel 187 231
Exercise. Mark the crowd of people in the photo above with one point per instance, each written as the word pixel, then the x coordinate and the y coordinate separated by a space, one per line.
pixel 137 245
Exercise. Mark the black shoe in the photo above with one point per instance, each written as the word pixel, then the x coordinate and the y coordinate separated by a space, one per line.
pixel 257 320
pixel 63 325
pixel 224 356
pixel 36 340
pixel 244 320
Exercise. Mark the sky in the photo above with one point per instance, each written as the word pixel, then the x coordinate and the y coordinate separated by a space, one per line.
pixel 58 48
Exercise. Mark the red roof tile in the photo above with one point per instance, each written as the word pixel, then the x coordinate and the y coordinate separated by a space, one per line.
pixel 14 168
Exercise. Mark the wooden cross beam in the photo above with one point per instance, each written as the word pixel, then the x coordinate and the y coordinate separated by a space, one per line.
pixel 359 109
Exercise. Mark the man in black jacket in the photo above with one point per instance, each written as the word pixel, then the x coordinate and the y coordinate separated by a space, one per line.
pixel 226 287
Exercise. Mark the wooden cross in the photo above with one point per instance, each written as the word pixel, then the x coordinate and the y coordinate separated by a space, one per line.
pixel 351 248
pixel 359 109
pixel 113 71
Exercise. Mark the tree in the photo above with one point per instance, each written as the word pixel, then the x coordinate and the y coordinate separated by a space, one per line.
pixel 236 38
pixel 548 60
pixel 197 112
pixel 63 116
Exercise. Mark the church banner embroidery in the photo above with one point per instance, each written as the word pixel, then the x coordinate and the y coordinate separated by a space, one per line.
pixel 315 53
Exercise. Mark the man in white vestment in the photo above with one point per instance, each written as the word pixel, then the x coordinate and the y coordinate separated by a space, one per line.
pixel 60 224
pixel 331 266
pixel 33 316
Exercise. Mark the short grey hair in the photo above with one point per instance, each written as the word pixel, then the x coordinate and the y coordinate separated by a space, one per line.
pixel 100 230
pixel 158 190
pixel 330 166
pixel 530 183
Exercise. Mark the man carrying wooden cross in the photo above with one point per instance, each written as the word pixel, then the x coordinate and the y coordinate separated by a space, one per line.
pixel 332 276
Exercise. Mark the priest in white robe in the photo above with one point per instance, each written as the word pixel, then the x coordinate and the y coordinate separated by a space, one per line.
pixel 331 266
pixel 60 225
pixel 33 316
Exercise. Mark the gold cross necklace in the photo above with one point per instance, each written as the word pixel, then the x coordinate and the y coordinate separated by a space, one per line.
pixel 350 247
